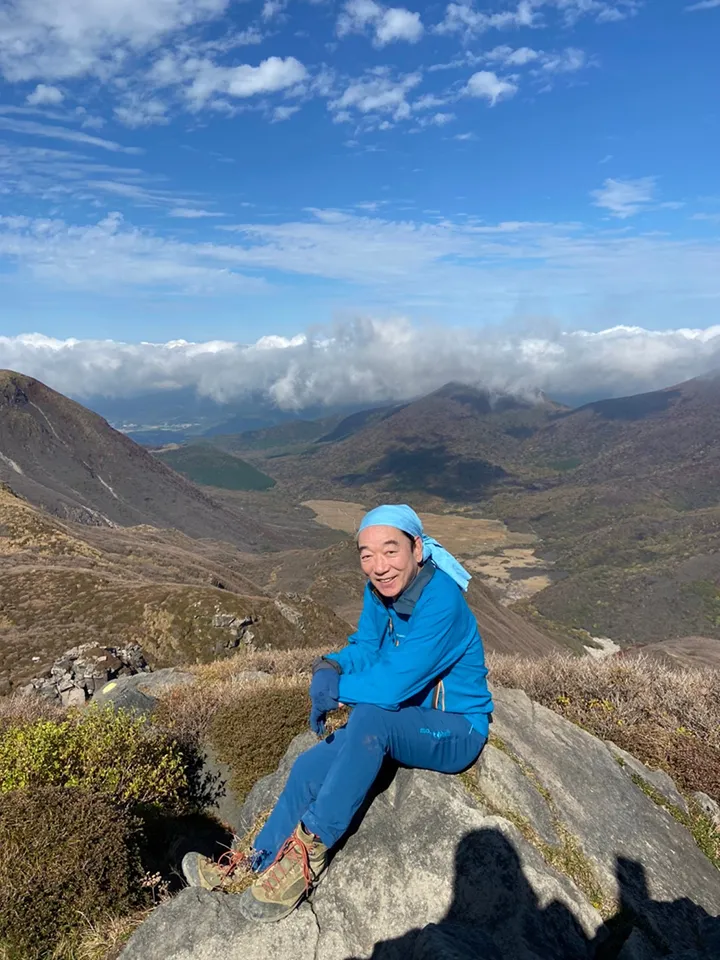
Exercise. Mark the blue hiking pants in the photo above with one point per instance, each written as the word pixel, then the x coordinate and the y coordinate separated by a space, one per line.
pixel 329 782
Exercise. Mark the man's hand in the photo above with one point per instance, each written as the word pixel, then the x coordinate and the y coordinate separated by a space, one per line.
pixel 324 689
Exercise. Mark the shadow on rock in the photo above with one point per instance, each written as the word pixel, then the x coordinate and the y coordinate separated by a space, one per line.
pixel 497 915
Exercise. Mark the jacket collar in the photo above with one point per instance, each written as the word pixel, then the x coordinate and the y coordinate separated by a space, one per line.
pixel 405 603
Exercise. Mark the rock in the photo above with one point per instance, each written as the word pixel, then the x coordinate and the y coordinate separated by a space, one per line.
pixel 5 686
pixel 658 779
pixel 430 873
pixel 197 925
pixel 637 850
pixel 507 788
pixel 709 807
pixel 85 666
pixel 74 697
pixel 436 857
pixel 139 693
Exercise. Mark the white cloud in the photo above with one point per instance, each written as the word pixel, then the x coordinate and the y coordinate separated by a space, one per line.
pixel 33 129
pixel 192 213
pixel 379 92
pixel 139 112
pixel 53 40
pixel 465 136
pixel 703 5
pixel 624 198
pixel 272 9
pixel 356 362
pixel 463 18
pixel 398 24
pixel 111 256
pixel 283 113
pixel 488 85
pixel 388 23
pixel 202 79
pixel 44 95
pixel 566 61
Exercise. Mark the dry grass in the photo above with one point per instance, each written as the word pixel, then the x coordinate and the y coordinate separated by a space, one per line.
pixel 18 710
pixel 667 717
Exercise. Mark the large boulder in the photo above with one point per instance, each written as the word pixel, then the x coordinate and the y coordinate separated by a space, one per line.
pixel 516 859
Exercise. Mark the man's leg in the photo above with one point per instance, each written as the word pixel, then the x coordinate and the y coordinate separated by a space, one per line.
pixel 413 736
pixel 303 785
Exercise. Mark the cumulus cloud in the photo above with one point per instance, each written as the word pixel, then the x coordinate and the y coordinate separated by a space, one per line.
pixel 487 84
pixel 356 362
pixel 378 92
pixel 624 198
pixel 50 40
pixel 201 78
pixel 464 19
pixel 44 95
pixel 388 24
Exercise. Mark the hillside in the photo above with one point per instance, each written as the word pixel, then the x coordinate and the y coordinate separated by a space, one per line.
pixel 456 444
pixel 68 460
pixel 208 466
pixel 62 584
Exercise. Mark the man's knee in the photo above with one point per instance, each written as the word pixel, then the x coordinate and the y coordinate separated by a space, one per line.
pixel 367 719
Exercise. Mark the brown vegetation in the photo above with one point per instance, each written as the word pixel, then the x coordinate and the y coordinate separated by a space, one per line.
pixel 667 717
pixel 66 859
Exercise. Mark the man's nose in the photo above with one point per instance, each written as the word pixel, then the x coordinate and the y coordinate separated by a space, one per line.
pixel 380 566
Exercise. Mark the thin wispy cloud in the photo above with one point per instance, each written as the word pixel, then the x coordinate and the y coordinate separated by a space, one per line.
pixel 625 198
pixel 53 132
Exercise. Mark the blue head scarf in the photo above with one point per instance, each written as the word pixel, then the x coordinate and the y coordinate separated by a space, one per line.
pixel 403 517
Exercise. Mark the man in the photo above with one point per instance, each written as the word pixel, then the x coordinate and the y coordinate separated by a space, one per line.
pixel 415 675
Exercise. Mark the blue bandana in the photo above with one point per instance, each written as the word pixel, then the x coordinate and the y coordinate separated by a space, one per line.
pixel 403 517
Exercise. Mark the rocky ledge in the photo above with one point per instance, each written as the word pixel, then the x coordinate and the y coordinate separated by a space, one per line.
pixel 553 847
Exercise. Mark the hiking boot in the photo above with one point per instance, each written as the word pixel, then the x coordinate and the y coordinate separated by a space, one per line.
pixel 288 880
pixel 223 874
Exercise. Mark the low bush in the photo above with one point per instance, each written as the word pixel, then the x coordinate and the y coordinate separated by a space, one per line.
pixel 107 751
pixel 252 734
pixel 66 859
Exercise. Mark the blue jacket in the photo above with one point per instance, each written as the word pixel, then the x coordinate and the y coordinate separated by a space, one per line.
pixel 402 650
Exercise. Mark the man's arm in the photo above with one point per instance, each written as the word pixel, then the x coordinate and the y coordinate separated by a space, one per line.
pixel 363 646
pixel 431 646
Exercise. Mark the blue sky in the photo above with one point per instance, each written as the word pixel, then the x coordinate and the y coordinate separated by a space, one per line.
pixel 209 170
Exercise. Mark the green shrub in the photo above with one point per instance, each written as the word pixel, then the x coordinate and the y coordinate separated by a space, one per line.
pixel 252 734
pixel 66 858
pixel 108 751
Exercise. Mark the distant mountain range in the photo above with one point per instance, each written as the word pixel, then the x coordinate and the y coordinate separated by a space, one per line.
pixel 624 493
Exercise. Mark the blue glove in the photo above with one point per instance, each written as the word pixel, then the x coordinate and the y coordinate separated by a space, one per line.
pixel 324 693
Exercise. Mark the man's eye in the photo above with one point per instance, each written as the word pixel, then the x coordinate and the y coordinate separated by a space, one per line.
pixel 391 553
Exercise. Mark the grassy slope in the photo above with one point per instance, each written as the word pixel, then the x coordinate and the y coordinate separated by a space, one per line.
pixel 211 467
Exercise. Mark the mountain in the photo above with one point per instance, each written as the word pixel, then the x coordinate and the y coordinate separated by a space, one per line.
pixel 454 444
pixel 68 460
pixel 63 584
pixel 622 494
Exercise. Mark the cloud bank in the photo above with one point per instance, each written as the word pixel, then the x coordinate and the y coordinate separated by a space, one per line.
pixel 371 361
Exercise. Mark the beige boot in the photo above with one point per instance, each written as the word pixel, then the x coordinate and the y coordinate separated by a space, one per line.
pixel 288 880
pixel 230 873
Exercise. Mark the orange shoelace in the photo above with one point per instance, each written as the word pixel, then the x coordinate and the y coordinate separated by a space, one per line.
pixel 229 862
pixel 296 852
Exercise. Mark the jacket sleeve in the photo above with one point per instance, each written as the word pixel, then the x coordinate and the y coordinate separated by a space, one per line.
pixel 431 646
pixel 363 646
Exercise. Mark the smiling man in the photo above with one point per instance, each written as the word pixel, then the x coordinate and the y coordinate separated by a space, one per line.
pixel 414 673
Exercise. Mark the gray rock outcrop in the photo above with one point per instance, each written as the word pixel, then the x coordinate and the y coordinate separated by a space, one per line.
pixel 75 677
pixel 546 850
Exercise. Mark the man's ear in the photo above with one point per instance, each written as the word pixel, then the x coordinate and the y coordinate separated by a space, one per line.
pixel 418 549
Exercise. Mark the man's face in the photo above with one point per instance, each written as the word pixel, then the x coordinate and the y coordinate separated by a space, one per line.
pixel 389 559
